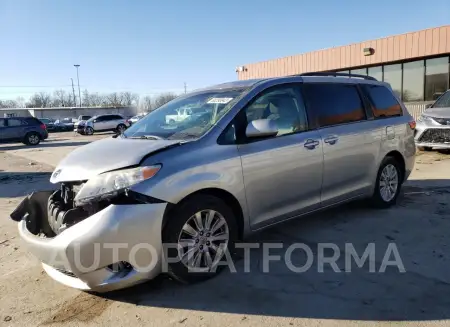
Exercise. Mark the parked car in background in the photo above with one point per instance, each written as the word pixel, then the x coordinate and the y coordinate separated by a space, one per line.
pixel 136 118
pixel 433 126
pixel 103 123
pixel 49 123
pixel 318 140
pixel 79 124
pixel 64 125
pixel 28 130
pixel 178 115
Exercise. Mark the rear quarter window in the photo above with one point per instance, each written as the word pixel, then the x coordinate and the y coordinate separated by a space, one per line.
pixel 383 103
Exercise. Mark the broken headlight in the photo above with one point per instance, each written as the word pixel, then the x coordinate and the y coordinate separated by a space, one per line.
pixel 108 185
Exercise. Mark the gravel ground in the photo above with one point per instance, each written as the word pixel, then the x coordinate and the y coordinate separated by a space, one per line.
pixel 418 226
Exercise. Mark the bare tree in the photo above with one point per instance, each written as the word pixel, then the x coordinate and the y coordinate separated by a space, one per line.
pixel 128 98
pixel 39 100
pixel 163 99
pixel 8 104
pixel 96 100
pixel 61 99
pixel 20 102
pixel 146 104
pixel 114 100
pixel 86 99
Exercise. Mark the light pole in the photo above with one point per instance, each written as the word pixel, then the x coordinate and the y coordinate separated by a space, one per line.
pixel 78 78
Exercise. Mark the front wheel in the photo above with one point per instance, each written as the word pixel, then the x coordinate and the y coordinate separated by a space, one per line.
pixel 199 235
pixel 121 128
pixel 89 131
pixel 388 184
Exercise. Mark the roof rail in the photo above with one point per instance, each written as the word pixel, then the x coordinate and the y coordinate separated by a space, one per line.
pixel 370 78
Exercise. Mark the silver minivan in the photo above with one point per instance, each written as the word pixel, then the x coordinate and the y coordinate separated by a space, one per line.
pixel 177 197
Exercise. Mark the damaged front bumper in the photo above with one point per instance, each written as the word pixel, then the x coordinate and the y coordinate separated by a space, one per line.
pixel 114 248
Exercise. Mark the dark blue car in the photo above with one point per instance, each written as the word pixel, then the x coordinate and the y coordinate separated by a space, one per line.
pixel 28 130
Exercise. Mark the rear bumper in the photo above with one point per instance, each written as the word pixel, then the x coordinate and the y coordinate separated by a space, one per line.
pixel 44 135
pixel 81 256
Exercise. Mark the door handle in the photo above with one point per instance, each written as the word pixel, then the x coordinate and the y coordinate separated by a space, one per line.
pixel 332 139
pixel 311 144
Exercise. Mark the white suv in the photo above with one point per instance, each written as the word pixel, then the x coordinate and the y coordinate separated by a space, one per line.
pixel 102 123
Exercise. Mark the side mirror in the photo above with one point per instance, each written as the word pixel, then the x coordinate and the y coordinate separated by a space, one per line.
pixel 261 128
pixel 428 105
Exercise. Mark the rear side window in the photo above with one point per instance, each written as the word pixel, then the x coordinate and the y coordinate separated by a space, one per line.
pixel 33 121
pixel 16 122
pixel 383 102
pixel 114 117
pixel 334 104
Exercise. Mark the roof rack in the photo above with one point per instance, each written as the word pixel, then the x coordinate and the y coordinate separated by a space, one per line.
pixel 370 78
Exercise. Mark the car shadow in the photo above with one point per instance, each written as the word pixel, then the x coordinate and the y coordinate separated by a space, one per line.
pixel 414 285
pixel 42 145
pixel 17 184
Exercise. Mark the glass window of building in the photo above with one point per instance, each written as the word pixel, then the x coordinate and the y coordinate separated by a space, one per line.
pixel 413 81
pixel 376 72
pixel 360 71
pixel 436 77
pixel 393 76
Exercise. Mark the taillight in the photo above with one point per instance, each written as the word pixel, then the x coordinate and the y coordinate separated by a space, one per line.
pixel 43 126
pixel 412 124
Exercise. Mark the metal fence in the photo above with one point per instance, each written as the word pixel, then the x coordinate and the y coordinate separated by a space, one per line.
pixel 417 108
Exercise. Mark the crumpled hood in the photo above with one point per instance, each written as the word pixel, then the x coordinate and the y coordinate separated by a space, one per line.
pixel 437 112
pixel 105 155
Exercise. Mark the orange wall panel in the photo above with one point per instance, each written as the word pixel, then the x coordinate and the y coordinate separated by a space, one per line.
pixel 430 42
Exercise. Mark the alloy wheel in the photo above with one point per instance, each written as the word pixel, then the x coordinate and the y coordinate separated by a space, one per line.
pixel 33 139
pixel 203 240
pixel 388 182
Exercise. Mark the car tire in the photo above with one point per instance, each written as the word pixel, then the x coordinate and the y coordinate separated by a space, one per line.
pixel 32 138
pixel 185 215
pixel 390 174
pixel 425 148
pixel 89 131
pixel 121 128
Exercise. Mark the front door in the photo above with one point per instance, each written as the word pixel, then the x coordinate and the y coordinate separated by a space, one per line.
pixel 351 142
pixel 101 123
pixel 282 174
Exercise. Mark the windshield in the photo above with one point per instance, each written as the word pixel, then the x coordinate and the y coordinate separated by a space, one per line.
pixel 45 120
pixel 443 101
pixel 188 116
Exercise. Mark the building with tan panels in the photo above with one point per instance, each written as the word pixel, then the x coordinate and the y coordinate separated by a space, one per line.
pixel 416 64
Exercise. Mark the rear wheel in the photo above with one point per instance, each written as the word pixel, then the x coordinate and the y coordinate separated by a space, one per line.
pixel 89 131
pixel 388 184
pixel 32 138
pixel 204 229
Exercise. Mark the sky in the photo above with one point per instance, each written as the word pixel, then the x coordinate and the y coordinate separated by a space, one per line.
pixel 150 47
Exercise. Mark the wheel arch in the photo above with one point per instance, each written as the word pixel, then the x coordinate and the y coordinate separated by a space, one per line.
pixel 226 196
pixel 399 158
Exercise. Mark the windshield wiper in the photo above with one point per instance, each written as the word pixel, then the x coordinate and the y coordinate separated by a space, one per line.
pixel 147 137
pixel 183 135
